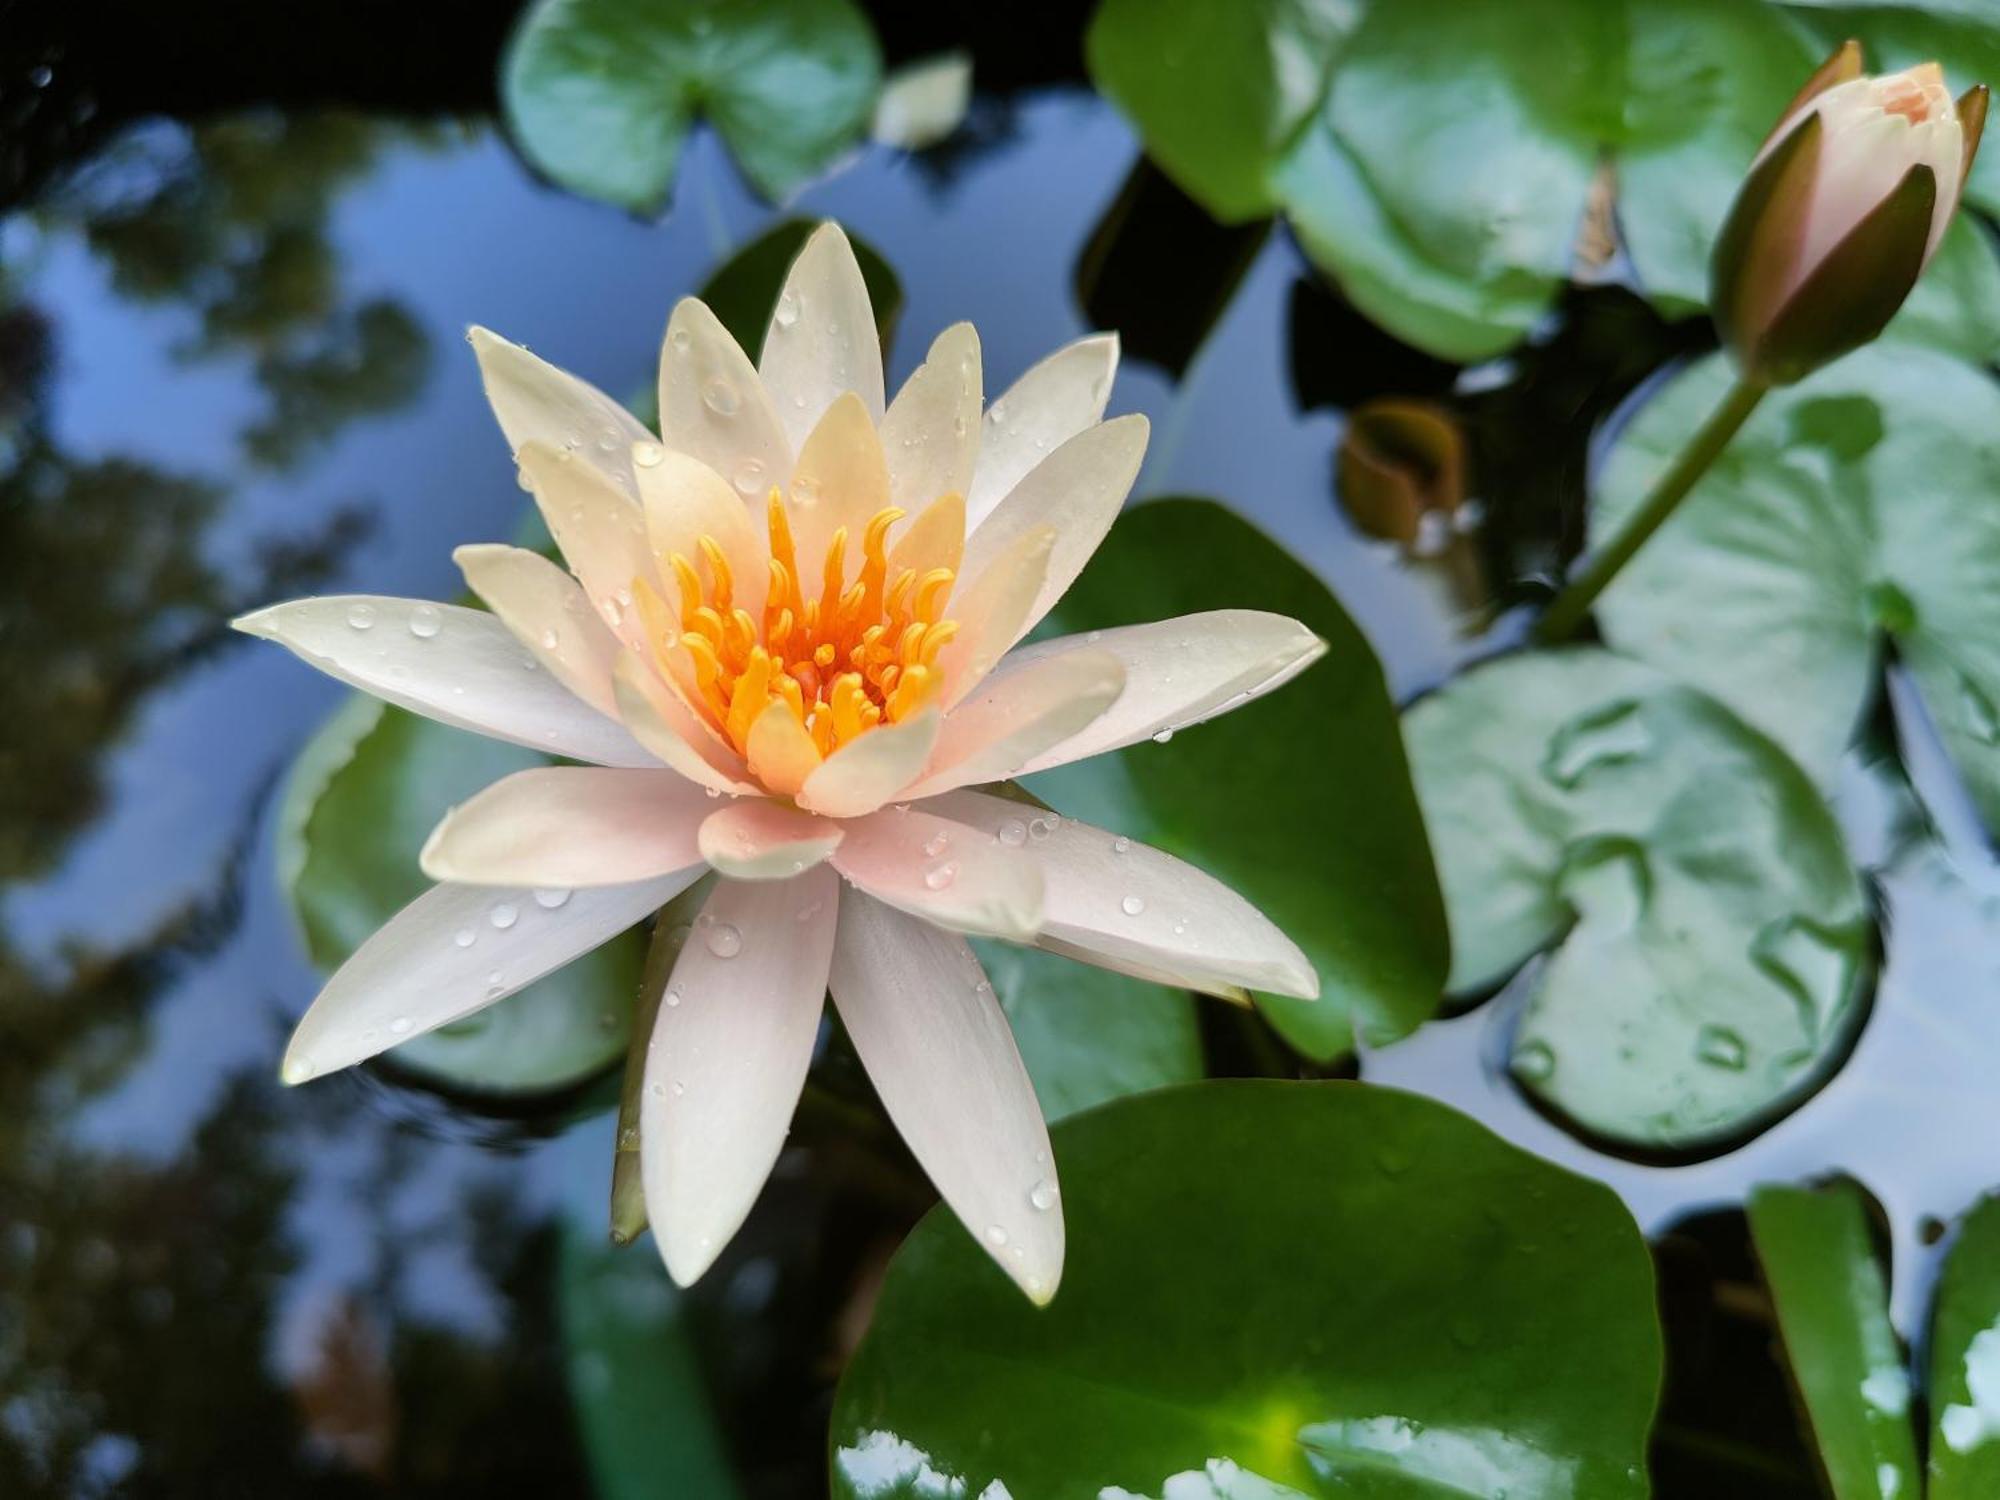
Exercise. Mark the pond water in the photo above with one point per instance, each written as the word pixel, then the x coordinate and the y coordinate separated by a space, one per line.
pixel 232 369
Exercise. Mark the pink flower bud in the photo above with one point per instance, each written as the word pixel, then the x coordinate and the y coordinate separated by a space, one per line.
pixel 1840 213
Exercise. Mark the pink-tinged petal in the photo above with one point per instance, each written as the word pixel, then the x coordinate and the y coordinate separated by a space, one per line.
pixel 758 839
pixel 1078 489
pixel 822 339
pixel 1125 906
pixel 945 872
pixel 686 501
pixel 602 534
pixel 454 950
pixel 841 480
pixel 538 403
pixel 674 734
pixel 459 666
pixel 728 1057
pixel 871 768
pixel 781 751
pixel 1016 715
pixel 572 827
pixel 714 407
pixel 931 432
pixel 548 613
pixel 1041 411
pixel 937 1047
pixel 992 612
pixel 1177 672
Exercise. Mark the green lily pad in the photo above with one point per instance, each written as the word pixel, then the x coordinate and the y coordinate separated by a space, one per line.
pixel 640 1399
pixel 1965 1363
pixel 1301 800
pixel 601 94
pixel 742 290
pixel 1283 1290
pixel 1442 175
pixel 363 795
pixel 1088 1035
pixel 1854 511
pixel 1833 1314
pixel 1711 944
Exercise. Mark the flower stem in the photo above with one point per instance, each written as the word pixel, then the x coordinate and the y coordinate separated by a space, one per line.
pixel 1573 603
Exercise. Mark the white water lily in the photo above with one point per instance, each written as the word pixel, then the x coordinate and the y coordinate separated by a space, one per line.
pixel 786 643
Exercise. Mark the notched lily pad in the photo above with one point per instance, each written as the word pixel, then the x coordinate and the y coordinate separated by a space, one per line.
pixel 1273 1290
pixel 1301 800
pixel 1853 513
pixel 601 94
pixel 363 795
pixel 1712 950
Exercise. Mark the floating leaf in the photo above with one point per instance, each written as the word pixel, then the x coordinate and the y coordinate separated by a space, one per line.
pixel 1965 1363
pixel 1833 1314
pixel 601 94
pixel 1712 949
pixel 1301 800
pixel 1272 1289
pixel 1853 513
pixel 363 795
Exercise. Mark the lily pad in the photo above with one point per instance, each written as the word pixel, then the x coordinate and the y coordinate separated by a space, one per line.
pixel 1455 227
pixel 1301 800
pixel 601 94
pixel 362 797
pixel 1833 1315
pixel 1712 951
pixel 1272 1290
pixel 1853 513
pixel 1965 1363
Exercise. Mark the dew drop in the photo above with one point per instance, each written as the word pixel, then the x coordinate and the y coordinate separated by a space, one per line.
pixel 680 338
pixel 465 937
pixel 720 397
pixel 724 941
pixel 361 616
pixel 496 984
pixel 936 845
pixel 1043 1195
pixel 1013 833
pixel 1132 905
pixel 679 1088
pixel 1164 735
pixel 995 1236
pixel 548 640
pixel 648 455
pixel 786 313
pixel 657 1090
pixel 503 915
pixel 672 998
pixel 400 1026
pixel 940 876
pixel 551 898
pixel 749 477
pixel 1120 845
pixel 425 621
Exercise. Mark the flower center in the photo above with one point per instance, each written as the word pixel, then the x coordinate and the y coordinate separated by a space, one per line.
pixel 1910 94
pixel 855 655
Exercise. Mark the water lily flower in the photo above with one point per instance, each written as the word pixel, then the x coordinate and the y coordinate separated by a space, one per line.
pixel 787 648
pixel 1841 211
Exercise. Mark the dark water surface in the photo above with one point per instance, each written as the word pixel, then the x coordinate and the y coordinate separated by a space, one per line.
pixel 231 369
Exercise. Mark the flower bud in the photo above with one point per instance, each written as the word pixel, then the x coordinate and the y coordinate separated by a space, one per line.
pixel 1840 213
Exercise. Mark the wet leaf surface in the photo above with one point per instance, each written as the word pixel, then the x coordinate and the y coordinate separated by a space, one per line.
pixel 1965 1363
pixel 1853 515
pixel 1710 949
pixel 1833 1315
pixel 1273 1289
pixel 1300 800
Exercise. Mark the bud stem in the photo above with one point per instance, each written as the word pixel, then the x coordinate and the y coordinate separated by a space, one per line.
pixel 1574 602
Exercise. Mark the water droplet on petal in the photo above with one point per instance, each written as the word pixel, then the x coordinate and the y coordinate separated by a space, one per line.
pixel 679 337
pixel 550 898
pixel 549 640
pixel 648 455
pixel 724 941
pixel 936 845
pixel 1120 845
pixel 425 621
pixel 361 616
pixel 465 937
pixel 749 477
pixel 786 313
pixel 720 396
pixel 400 1026
pixel 1132 905
pixel 1164 735
pixel 503 915
pixel 940 876
pixel 995 1236
pixel 1043 1195
pixel 1013 833
pixel 672 998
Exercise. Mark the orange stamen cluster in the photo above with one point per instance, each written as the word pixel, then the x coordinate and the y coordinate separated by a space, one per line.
pixel 852 656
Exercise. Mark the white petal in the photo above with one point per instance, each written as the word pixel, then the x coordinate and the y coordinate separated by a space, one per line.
pixel 714 407
pixel 548 613
pixel 1123 904
pixel 454 950
pixel 1016 715
pixel 759 839
pixel 538 403
pixel 991 612
pixel 937 1047
pixel 1177 672
pixel 459 666
pixel 1040 412
pixel 841 480
pixel 931 432
pixel 728 1057
pixel 570 826
pixel 822 339
pixel 871 768
pixel 944 872
pixel 685 500
pixel 602 534
pixel 1078 489
pixel 673 732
